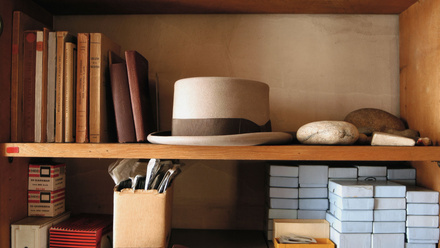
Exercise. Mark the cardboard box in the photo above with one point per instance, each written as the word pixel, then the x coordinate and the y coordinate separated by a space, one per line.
pixel 350 188
pixel 288 182
pixel 418 233
pixel 342 172
pixel 388 189
pixel 47 177
pixel 389 215
pixel 421 221
pixel 313 204
pixel 371 171
pixel 320 243
pixel 313 192
pixel 422 208
pixel 142 218
pixel 283 170
pixel 46 203
pixel 309 228
pixel 421 195
pixel 34 231
pixel 372 179
pixel 387 240
pixel 352 203
pixel 283 193
pixel 313 175
pixel 401 173
pixel 389 227
pixel 282 213
pixel 349 226
pixel 416 245
pixel 389 203
pixel 283 203
pixel 351 215
pixel 311 214
pixel 350 240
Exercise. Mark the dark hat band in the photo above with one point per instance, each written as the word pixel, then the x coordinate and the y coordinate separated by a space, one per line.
pixel 216 126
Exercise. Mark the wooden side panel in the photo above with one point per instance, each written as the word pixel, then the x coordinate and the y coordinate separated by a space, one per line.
pixel 13 176
pixel 420 78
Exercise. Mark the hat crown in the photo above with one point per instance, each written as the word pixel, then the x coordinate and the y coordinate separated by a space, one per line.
pixel 221 97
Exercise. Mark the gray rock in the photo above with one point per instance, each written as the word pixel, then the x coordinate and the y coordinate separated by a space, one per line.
pixel 387 139
pixel 369 120
pixel 327 133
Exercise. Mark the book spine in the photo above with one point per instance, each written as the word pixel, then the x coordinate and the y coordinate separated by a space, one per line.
pixel 69 91
pixel 44 86
pixel 38 86
pixel 16 82
pixel 51 78
pixel 29 65
pixel 95 88
pixel 82 96
pixel 59 88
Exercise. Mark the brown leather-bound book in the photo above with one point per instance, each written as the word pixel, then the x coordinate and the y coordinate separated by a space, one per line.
pixel 137 69
pixel 69 91
pixel 21 22
pixel 29 69
pixel 82 90
pixel 121 99
pixel 102 127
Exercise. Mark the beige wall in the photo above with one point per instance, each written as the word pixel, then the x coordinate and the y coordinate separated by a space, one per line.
pixel 318 67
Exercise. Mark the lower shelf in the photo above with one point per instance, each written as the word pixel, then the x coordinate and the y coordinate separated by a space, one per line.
pixel 201 238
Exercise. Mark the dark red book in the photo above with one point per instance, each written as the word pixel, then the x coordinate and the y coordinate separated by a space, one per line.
pixel 137 70
pixel 29 64
pixel 121 99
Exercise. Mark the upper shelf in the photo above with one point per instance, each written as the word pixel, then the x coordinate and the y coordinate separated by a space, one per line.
pixel 286 152
pixel 69 7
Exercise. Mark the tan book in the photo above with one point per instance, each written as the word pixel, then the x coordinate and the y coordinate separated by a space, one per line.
pixel 102 125
pixel 51 76
pixel 21 22
pixel 41 86
pixel 69 91
pixel 62 38
pixel 82 90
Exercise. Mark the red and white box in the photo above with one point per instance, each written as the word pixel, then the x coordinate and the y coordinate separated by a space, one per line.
pixel 46 203
pixel 47 177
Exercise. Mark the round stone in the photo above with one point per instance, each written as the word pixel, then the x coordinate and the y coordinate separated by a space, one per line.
pixel 369 120
pixel 327 133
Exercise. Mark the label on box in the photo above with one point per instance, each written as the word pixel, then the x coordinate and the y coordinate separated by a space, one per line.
pixel 46 203
pixel 47 177
pixel 422 208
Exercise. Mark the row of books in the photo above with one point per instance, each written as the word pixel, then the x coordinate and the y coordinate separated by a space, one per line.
pixel 62 92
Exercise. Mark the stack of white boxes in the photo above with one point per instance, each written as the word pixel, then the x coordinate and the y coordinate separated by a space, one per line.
pixel 351 213
pixel 402 175
pixel 422 224
pixel 389 215
pixel 282 196
pixel 313 192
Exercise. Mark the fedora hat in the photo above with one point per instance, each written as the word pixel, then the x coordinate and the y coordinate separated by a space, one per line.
pixel 220 111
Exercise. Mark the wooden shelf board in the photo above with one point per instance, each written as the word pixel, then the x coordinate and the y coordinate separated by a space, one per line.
pixel 284 152
pixel 69 7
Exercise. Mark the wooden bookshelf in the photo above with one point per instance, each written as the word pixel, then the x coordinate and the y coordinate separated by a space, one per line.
pixel 284 152
pixel 227 7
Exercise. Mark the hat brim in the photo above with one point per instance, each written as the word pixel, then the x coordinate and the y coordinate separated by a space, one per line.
pixel 245 139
